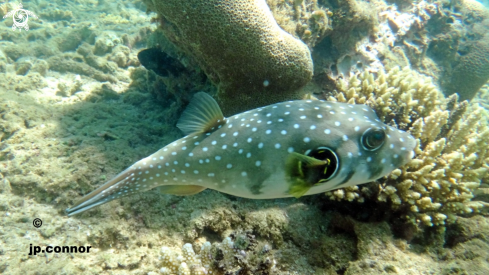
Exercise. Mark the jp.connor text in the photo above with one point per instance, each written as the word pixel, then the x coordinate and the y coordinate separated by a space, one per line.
pixel 33 250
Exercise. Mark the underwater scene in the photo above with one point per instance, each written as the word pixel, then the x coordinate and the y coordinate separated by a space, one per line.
pixel 333 137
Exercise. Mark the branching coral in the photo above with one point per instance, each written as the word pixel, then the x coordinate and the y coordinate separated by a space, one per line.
pixel 452 157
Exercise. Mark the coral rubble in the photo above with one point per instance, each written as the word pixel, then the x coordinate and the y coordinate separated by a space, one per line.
pixel 219 258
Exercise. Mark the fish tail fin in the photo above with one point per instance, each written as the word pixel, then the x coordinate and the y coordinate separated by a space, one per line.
pixel 117 187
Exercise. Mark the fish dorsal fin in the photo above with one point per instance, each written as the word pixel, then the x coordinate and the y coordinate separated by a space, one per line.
pixel 202 114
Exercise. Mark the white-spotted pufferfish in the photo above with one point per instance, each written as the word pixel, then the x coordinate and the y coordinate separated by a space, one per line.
pixel 287 149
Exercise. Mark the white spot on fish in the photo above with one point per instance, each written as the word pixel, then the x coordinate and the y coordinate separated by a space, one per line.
pixel 290 149
pixel 337 123
pixel 244 174
pixel 283 132
pixel 345 137
pixel 205 149
pixel 369 159
pixel 296 126
pixel 260 145
pixel 218 157
pixel 306 139
pixel 229 166
pixel 312 127
pixel 258 163
pixel 357 128
pixel 268 132
pixel 327 131
pixel 277 145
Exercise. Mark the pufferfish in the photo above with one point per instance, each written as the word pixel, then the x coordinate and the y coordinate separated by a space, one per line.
pixel 288 149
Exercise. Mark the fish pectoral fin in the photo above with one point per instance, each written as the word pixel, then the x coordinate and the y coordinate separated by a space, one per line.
pixel 307 160
pixel 202 114
pixel 298 188
pixel 181 190
pixel 298 184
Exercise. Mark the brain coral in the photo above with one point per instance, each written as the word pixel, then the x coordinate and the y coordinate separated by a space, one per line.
pixel 471 72
pixel 241 48
pixel 452 157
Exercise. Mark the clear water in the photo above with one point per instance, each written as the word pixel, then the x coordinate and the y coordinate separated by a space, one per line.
pixel 78 106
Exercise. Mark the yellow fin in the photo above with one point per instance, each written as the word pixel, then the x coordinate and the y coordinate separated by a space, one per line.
pixel 202 114
pixel 181 190
pixel 297 181
pixel 309 161
pixel 298 188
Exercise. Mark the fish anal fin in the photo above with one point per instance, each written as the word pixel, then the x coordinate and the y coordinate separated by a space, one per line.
pixel 181 190
pixel 202 114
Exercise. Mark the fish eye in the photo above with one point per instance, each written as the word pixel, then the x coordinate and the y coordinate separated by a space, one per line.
pixel 373 139
pixel 327 171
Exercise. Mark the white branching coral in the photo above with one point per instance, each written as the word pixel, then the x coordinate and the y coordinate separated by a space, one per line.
pixel 452 156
